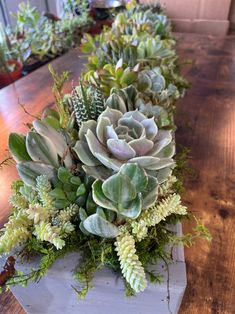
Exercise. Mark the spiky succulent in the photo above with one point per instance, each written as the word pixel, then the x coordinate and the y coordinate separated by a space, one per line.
pixel 87 103
pixel 46 232
pixel 117 138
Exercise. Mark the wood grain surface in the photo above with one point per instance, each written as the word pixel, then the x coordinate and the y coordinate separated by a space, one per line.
pixel 206 124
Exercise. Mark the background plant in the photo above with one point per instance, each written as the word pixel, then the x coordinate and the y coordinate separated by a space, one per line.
pixel 46 36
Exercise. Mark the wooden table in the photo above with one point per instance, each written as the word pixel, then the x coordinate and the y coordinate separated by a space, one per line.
pixel 206 124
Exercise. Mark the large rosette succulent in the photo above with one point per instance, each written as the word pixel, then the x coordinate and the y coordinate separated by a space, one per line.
pixel 117 138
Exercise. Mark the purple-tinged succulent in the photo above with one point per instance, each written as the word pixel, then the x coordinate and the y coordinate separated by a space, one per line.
pixel 117 138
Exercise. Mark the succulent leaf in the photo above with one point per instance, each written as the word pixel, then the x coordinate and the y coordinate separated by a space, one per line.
pixel 119 189
pixel 17 147
pixel 84 154
pixel 99 172
pixel 54 136
pixel 63 174
pixel 97 225
pixel 120 149
pixel 133 208
pixel 151 192
pixel 99 197
pixel 137 176
pixel 41 149
pixel 87 125
pixel 29 171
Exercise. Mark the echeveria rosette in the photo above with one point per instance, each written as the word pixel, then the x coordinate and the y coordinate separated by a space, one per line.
pixel 125 194
pixel 118 138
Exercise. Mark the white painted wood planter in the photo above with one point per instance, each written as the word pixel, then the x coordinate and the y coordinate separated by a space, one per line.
pixel 54 293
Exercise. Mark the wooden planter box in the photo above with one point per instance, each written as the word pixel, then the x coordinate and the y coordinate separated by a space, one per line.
pixel 54 293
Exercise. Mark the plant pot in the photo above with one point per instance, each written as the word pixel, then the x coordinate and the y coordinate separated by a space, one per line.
pixel 36 63
pixel 55 294
pixel 7 78
pixel 95 29
pixel 98 26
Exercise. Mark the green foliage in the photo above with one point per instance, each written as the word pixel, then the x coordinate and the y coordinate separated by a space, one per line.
pixel 110 76
pixel 68 189
pixel 199 231
pixel 17 147
pixel 27 17
pixel 156 213
pixel 182 168
pixel 59 81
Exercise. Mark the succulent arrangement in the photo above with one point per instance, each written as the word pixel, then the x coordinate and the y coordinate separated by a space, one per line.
pixel 99 175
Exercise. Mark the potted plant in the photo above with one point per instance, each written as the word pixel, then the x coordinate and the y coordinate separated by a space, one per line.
pixel 10 67
pixel 98 176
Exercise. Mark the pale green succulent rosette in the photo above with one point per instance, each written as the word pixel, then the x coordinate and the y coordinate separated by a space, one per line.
pixel 117 138
pixel 124 194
